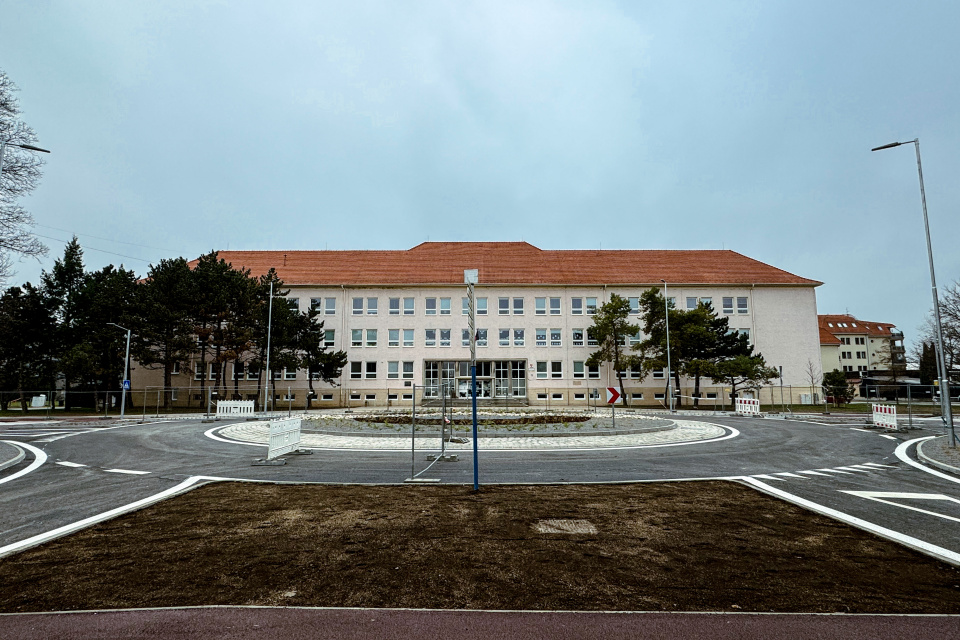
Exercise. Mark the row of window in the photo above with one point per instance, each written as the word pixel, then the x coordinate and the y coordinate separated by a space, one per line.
pixel 544 369
pixel 847 355
pixel 846 340
pixel 860 367
pixel 507 305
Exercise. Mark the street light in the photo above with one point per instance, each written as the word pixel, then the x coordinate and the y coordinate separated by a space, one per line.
pixel 126 363
pixel 28 147
pixel 666 317
pixel 945 408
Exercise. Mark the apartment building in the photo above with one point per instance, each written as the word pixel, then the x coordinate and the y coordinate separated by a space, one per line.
pixel 852 345
pixel 402 317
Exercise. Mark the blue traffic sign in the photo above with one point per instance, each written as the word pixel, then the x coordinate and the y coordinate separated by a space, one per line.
pixel 126 385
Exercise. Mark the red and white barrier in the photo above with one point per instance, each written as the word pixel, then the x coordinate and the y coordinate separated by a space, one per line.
pixel 748 407
pixel 885 415
pixel 234 408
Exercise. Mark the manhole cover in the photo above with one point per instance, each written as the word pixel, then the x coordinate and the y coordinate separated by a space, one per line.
pixel 564 526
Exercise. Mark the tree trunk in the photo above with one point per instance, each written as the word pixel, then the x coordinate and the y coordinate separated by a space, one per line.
pixel 623 394
pixel 676 389
pixel 696 391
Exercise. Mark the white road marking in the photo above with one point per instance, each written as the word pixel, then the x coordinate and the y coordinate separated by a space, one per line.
pixel 864 430
pixel 863 466
pixel 901 452
pixel 836 471
pixel 921 545
pixel 883 435
pixel 766 477
pixel 815 473
pixel 70 464
pixel 877 464
pixel 879 496
pixel 39 458
pixel 852 469
pixel 136 473
pixel 789 475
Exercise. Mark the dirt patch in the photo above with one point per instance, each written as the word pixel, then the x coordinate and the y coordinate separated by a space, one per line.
pixel 699 546
pixel 486 421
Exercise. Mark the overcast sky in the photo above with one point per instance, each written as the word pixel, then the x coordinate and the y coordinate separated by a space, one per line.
pixel 181 127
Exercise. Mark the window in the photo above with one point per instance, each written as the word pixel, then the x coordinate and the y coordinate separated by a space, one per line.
pixel 504 337
pixel 481 306
pixel 591 306
pixel 354 396
pixel 591 339
pixel 579 396
pixel 481 337
pixel 691 303
pixel 554 306
pixel 518 337
pixel 847 368
pixel 328 337
pixel 289 374
pixel 861 355
pixel 845 340
pixel 174 394
pixel 408 306
pixel 593 371
pixel 861 341
pixel 393 337
pixel 540 306
pixel 408 370
pixel 176 369
pixel 370 396
pixel 636 396
pixel 394 306
pixel 541 337
pixel 358 306
pixel 316 304
pixel 408 337
pixel 371 370
pixel 393 370
pixel 503 306
pixel 557 396
pixel 672 302
pixel 329 306
pixel 542 369
pixel 371 337
pixel 356 337
pixel 659 374
pixel 578 337
pixel 293 304
pixel 845 355
pixel 356 370
pixel 634 339
pixel 238 371
pixel 728 305
pixel 518 306
pixel 444 306
pixel 253 373
pixel 465 337
pixel 576 306
pixel 430 306
pixel 465 306
pixel 712 395
pixel 556 339
pixel 659 396
pixel 634 305
pixel 742 305
pixel 430 338
pixel 444 337
pixel 707 302
pixel 578 369
pixel 371 306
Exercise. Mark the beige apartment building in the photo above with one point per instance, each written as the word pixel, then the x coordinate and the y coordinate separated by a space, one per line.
pixel 852 345
pixel 401 317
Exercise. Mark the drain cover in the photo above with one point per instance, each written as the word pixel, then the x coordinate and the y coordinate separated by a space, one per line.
pixel 564 526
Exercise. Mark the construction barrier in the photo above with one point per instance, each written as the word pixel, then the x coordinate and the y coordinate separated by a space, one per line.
pixel 885 415
pixel 235 408
pixel 748 407
pixel 284 437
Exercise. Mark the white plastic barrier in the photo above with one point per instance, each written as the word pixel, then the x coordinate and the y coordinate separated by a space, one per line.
pixel 885 415
pixel 284 437
pixel 235 408
pixel 748 407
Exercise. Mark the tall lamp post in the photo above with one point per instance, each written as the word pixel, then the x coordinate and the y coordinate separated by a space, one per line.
pixel 28 147
pixel 126 364
pixel 945 408
pixel 666 317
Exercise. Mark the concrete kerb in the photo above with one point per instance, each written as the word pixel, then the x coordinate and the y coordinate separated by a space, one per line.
pixel 933 462
pixel 10 455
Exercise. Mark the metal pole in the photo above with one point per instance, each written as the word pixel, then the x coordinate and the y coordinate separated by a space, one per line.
pixel 471 276
pixel 783 407
pixel 666 317
pixel 909 408
pixel 266 385
pixel 289 403
pixel 413 435
pixel 126 370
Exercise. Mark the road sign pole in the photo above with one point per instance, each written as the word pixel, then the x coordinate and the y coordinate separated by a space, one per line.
pixel 613 414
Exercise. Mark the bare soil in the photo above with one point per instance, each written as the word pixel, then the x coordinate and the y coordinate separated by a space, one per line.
pixel 697 546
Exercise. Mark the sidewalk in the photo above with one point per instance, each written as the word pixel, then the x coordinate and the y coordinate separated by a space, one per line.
pixel 940 454
pixel 10 455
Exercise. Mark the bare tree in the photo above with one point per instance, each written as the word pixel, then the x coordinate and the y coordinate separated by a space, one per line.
pixel 814 375
pixel 19 176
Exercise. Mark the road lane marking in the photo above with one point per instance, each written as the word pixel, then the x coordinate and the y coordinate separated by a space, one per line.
pixel 915 543
pixel 766 477
pixel 816 473
pixel 70 464
pixel 135 473
pixel 852 469
pixel 901 452
pixel 39 458
pixel 879 496
pixel 836 471
pixel 789 475
pixel 876 464
pixel 883 435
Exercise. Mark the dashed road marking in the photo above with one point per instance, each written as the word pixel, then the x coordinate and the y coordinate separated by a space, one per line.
pixel 70 464
pixel 135 473
pixel 852 469
pixel 814 473
pixel 883 435
pixel 789 475
pixel 766 477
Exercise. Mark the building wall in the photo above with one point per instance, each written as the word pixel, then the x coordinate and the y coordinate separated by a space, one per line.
pixel 781 320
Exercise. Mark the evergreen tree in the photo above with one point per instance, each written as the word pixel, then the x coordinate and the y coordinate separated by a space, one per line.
pixel 26 335
pixel 611 329
pixel 928 364
pixel 744 371
pixel 835 384
pixel 62 289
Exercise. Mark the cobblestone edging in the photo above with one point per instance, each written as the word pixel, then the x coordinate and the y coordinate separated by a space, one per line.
pixel 934 462
pixel 686 431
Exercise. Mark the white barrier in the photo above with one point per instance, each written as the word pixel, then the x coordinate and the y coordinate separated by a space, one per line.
pixel 885 415
pixel 284 437
pixel 235 408
pixel 748 407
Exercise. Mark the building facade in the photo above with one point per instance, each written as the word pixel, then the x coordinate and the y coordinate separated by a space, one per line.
pixel 402 317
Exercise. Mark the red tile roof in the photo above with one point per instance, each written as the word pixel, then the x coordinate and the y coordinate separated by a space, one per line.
pixel 831 324
pixel 828 338
pixel 512 263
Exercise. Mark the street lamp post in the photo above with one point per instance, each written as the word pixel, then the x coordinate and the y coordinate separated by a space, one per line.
pixel 946 410
pixel 126 365
pixel 266 386
pixel 666 317
pixel 28 147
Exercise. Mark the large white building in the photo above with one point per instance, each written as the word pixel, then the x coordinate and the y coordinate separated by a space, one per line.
pixel 401 317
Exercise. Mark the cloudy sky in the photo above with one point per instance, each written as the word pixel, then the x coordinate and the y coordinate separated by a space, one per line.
pixel 181 127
